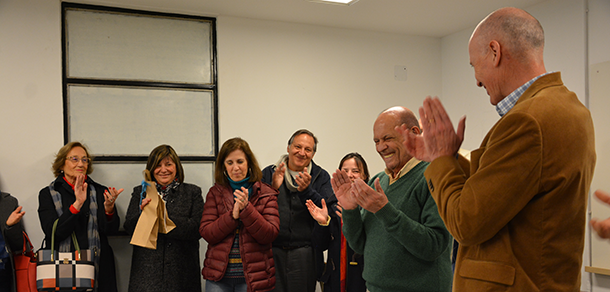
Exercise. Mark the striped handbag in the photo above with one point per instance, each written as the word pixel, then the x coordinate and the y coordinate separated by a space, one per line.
pixel 62 271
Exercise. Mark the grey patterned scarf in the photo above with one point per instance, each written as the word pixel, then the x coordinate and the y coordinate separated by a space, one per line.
pixel 92 226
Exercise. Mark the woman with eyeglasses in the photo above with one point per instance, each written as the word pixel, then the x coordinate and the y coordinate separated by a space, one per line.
pixel 83 207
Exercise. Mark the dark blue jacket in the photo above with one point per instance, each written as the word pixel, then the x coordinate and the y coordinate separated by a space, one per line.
pixel 296 224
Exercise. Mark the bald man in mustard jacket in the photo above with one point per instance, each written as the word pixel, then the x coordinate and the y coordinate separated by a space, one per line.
pixel 518 209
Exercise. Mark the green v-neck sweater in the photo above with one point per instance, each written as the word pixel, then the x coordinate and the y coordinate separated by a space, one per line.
pixel 406 246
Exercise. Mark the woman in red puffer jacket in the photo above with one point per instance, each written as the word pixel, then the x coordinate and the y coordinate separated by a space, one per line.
pixel 240 221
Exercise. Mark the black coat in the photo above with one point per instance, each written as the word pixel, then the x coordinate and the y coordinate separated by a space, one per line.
pixel 296 224
pixel 77 223
pixel 13 236
pixel 175 264
pixel 329 237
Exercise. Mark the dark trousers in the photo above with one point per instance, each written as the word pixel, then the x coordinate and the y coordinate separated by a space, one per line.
pixel 6 277
pixel 295 269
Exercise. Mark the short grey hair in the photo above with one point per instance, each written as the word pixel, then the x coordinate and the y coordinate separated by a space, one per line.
pixel 307 132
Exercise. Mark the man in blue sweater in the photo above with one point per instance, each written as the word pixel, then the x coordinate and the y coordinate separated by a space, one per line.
pixel 393 221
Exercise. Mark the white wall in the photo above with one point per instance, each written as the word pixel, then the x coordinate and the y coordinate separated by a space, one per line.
pixel 274 78
pixel 31 101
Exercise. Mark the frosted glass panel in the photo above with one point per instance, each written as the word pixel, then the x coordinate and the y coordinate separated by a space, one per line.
pixel 118 121
pixel 129 175
pixel 117 46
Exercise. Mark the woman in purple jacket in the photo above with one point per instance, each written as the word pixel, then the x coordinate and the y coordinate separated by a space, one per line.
pixel 240 221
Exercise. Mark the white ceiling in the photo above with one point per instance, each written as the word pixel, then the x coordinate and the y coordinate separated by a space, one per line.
pixel 434 18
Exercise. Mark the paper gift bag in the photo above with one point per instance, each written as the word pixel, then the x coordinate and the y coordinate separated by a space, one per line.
pixel 153 220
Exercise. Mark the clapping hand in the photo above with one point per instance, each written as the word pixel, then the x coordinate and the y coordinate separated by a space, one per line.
pixel 303 179
pixel 602 227
pixel 110 195
pixel 339 211
pixel 438 138
pixel 80 191
pixel 368 198
pixel 15 216
pixel 319 214
pixel 342 186
pixel 278 176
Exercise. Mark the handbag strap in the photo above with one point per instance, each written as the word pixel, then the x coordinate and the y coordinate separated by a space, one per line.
pixel 78 255
pixel 27 243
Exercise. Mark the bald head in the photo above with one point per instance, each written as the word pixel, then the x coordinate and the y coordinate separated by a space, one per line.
pixel 388 142
pixel 400 115
pixel 516 30
pixel 506 51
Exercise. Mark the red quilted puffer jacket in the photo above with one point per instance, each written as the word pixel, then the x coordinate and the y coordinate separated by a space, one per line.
pixel 260 223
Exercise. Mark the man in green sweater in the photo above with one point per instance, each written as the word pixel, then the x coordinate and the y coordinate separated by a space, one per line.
pixel 394 222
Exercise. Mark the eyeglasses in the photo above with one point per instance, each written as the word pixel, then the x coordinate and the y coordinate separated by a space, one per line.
pixel 75 159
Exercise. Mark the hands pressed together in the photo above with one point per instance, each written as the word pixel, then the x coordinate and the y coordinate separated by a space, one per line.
pixel 353 194
pixel 438 137
pixel 241 201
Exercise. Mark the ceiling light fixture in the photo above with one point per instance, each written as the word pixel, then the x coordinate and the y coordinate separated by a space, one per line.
pixel 336 2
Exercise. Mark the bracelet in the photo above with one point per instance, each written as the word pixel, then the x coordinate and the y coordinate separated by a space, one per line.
pixel 327 222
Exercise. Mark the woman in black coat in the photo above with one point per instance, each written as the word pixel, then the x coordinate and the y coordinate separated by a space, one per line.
pixel 81 201
pixel 174 265
pixel 342 271
pixel 12 234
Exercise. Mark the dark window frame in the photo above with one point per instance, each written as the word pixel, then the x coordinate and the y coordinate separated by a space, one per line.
pixel 213 86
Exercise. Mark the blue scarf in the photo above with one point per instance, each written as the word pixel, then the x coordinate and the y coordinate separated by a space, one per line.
pixel 235 268
pixel 242 183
